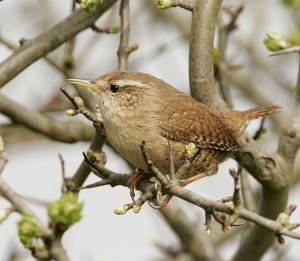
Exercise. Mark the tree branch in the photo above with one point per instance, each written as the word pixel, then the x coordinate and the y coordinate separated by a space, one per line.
pixel 123 50
pixel 207 204
pixel 194 240
pixel 201 66
pixel 69 132
pixel 38 47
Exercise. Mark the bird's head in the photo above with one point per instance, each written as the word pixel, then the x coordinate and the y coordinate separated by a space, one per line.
pixel 123 91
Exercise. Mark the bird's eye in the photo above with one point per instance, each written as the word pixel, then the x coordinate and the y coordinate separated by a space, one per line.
pixel 114 88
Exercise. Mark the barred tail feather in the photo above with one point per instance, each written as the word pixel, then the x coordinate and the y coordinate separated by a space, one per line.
pixel 260 112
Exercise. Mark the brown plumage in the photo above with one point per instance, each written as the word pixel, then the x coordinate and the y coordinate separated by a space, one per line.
pixel 137 106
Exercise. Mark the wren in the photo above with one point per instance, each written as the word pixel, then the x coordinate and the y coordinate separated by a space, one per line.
pixel 138 107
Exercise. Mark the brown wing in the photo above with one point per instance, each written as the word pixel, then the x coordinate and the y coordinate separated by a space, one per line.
pixel 198 124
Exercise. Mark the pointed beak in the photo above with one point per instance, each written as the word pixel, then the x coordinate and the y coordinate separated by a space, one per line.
pixel 86 83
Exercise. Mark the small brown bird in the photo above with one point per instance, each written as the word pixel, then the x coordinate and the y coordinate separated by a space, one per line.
pixel 138 107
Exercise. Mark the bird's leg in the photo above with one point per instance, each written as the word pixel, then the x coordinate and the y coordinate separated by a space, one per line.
pixel 211 171
pixel 135 178
pixel 163 182
pixel 161 203
pixel 171 161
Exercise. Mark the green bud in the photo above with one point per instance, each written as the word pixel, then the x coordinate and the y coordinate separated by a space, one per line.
pixel 164 4
pixel 115 29
pixel 135 46
pixel 230 205
pixel 275 42
pixel 71 112
pixel 283 219
pixel 26 241
pixel 294 36
pixel 136 208
pixel 65 211
pixel 4 213
pixel 293 87
pixel 91 155
pixel 292 3
pixel 79 101
pixel 90 5
pixel 216 56
pixel 28 229
pixel 190 149
pixel 1 144
pixel 121 210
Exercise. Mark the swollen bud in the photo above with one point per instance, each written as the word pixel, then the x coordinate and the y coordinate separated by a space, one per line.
pixel 91 155
pixel 294 35
pixel 65 211
pixel 90 5
pixel 79 101
pixel 136 208
pixel 190 149
pixel 283 219
pixel 115 29
pixel 164 4
pixel 275 42
pixel 134 47
pixel 216 56
pixel 121 210
pixel 292 3
pixel 4 213
pixel 71 112
pixel 28 230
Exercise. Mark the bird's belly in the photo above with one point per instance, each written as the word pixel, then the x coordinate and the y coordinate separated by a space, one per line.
pixel 127 144
pixel 156 146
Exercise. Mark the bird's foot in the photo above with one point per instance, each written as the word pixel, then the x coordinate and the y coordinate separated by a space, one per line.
pixel 160 201
pixel 135 178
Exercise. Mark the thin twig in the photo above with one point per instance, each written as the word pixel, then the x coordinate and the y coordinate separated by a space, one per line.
pixel 80 107
pixel 298 85
pixel 261 130
pixel 68 55
pixel 185 4
pixel 106 30
pixel 224 32
pixel 68 131
pixel 62 164
pixel 208 204
pixel 124 37
pixel 36 48
pixel 247 193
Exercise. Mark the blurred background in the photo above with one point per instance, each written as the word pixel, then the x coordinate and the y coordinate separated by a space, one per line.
pixel 34 170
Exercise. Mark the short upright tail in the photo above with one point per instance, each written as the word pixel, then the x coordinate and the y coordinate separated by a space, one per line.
pixel 260 112
pixel 237 121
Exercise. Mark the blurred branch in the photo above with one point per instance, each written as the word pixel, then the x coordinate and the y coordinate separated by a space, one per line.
pixel 224 32
pixel 247 193
pixel 201 66
pixel 194 240
pixel 96 145
pixel 271 170
pixel 70 131
pixel 185 4
pixel 69 48
pixel 56 249
pixel 65 70
pixel 207 204
pixel 245 83
pixel 123 50
pixel 275 178
pixel 38 47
